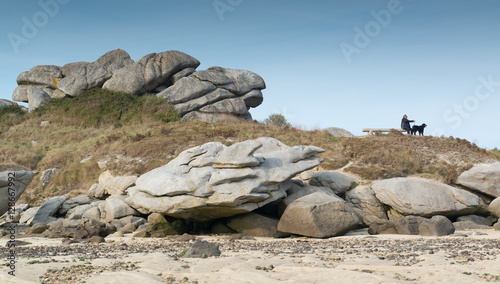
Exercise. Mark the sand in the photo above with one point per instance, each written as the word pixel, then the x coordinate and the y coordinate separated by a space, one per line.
pixel 465 257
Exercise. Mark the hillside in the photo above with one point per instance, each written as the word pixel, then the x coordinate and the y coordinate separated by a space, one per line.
pixel 132 135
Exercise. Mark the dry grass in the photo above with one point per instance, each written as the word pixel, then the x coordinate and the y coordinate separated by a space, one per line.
pixel 396 155
pixel 135 135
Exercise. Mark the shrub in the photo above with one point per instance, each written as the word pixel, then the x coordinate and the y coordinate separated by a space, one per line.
pixel 276 119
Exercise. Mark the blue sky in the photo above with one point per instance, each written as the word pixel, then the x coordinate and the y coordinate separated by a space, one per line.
pixel 349 64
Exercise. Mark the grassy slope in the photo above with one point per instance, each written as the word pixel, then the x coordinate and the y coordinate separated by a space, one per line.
pixel 134 135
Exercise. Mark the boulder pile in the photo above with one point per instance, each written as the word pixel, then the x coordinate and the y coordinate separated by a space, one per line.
pixel 211 95
pixel 252 188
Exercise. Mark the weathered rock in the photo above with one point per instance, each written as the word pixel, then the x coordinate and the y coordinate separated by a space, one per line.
pixel 28 215
pixel 468 225
pixel 208 98
pixel 436 226
pixel 253 98
pixel 306 190
pixel 12 184
pixel 483 178
pixel 185 238
pixel 116 207
pixel 47 176
pixel 214 181
pixel 186 89
pixel 338 132
pixel 221 228
pixel 318 215
pixel 36 98
pixel 496 226
pixel 380 226
pixel 236 81
pixel 41 75
pixel 136 221
pixel 415 196
pixel 202 249
pixel 235 106
pixel 92 213
pixel 160 227
pixel 115 185
pixel 73 202
pixel 149 72
pixel 363 197
pixel 77 212
pixel 476 219
pixel 181 74
pixel 83 76
pixel 338 182
pixel 129 228
pixel 409 225
pixel 48 209
pixel 37 229
pixel 254 224
pixel 89 228
pixel 494 207
pixel 5 103
pixel 97 190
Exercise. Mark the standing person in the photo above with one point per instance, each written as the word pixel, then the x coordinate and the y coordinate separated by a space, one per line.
pixel 405 123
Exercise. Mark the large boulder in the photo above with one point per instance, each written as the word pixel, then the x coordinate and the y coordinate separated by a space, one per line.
pixel 214 181
pixel 115 185
pixel 483 178
pixel 36 97
pixel 494 207
pixel 436 226
pixel 254 224
pixel 150 72
pixel 12 185
pixel 420 197
pixel 48 209
pixel 116 207
pixel 338 182
pixel 318 215
pixel 83 76
pixel 338 132
pixel 475 219
pixel 294 195
pixel 363 198
pixel 239 82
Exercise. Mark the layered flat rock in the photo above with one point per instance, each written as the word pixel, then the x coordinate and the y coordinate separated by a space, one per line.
pixel 213 180
pixel 420 197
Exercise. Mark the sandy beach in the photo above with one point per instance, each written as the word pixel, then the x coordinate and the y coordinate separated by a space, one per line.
pixel 465 257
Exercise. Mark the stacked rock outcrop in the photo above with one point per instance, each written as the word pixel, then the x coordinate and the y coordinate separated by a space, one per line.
pixel 213 181
pixel 211 95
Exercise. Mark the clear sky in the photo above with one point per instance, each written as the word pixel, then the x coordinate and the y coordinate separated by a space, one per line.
pixel 348 64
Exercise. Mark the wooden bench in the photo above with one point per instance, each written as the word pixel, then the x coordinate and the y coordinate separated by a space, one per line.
pixel 372 131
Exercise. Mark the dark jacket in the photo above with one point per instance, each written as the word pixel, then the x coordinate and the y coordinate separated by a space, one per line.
pixel 405 123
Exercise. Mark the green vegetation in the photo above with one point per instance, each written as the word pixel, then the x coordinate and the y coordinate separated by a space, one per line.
pixel 132 135
pixel 101 107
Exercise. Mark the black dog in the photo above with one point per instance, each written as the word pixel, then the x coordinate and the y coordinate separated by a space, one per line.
pixel 418 128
